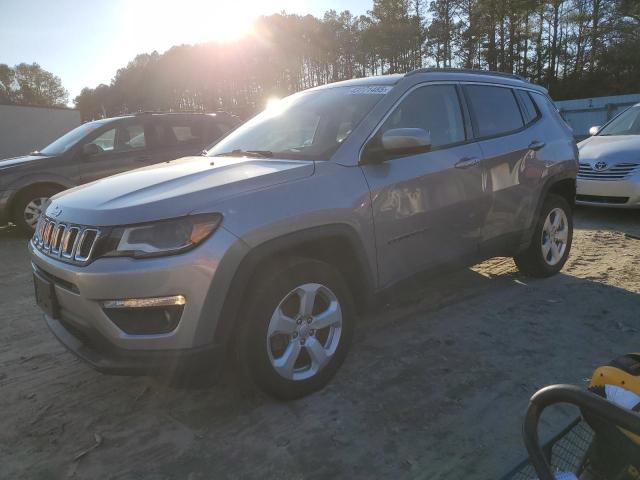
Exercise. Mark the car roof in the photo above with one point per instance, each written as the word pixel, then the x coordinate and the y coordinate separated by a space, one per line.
pixel 435 74
pixel 162 114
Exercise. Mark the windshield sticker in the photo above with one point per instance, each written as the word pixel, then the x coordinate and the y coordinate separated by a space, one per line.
pixel 374 90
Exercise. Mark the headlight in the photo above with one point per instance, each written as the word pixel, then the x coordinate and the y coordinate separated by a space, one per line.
pixel 163 237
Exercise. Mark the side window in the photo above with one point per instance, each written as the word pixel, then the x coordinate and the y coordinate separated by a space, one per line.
pixel 130 137
pixel 529 110
pixel 434 108
pixel 175 132
pixel 106 140
pixel 493 109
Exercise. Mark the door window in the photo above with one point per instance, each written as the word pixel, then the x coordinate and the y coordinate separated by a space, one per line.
pixel 434 108
pixel 494 110
pixel 175 132
pixel 529 111
pixel 106 140
pixel 131 137
pixel 122 138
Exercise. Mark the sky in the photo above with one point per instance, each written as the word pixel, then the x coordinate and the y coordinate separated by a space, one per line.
pixel 84 42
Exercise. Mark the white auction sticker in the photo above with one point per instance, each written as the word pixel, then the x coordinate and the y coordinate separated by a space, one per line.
pixel 370 90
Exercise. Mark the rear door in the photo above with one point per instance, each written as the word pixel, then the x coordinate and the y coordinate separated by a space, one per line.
pixel 505 122
pixel 427 208
pixel 122 147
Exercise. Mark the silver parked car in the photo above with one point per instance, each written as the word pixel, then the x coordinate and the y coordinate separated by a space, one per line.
pixel 610 163
pixel 270 247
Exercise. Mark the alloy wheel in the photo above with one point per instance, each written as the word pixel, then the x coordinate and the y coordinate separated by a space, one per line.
pixel 555 232
pixel 304 331
pixel 33 210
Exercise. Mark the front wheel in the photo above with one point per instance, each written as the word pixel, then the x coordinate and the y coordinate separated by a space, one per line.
pixel 551 242
pixel 297 327
pixel 29 205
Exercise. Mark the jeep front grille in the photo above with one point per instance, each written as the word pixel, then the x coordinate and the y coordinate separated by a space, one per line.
pixel 618 171
pixel 64 241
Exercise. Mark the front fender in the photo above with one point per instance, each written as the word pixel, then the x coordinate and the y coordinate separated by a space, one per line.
pixel 272 248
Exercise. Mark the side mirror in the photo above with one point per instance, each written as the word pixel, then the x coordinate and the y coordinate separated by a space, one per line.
pixel 398 142
pixel 594 130
pixel 406 141
pixel 90 149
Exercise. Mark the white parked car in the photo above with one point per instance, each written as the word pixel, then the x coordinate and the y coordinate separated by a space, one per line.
pixel 609 172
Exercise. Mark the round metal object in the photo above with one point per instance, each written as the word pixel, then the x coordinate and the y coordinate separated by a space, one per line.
pixel 33 210
pixel 310 344
pixel 555 233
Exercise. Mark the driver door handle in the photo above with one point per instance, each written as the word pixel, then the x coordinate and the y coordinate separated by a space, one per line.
pixel 536 145
pixel 467 162
pixel 143 158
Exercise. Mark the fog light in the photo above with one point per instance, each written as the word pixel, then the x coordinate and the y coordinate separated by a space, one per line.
pixel 145 316
pixel 145 302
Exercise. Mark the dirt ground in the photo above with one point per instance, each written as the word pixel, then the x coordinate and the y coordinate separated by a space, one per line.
pixel 434 388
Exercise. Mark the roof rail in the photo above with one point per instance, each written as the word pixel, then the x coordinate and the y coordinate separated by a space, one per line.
pixel 165 112
pixel 513 76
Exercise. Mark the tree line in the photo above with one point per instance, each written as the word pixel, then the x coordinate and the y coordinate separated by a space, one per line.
pixel 30 84
pixel 575 48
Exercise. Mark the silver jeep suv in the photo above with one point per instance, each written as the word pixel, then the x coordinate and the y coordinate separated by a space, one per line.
pixel 269 247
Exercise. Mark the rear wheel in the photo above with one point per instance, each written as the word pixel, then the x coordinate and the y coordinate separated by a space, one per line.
pixel 29 205
pixel 551 242
pixel 297 328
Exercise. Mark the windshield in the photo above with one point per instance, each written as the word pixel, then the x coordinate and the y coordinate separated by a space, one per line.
pixel 627 123
pixel 69 139
pixel 305 126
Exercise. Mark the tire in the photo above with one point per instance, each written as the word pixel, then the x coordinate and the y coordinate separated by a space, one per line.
pixel 27 205
pixel 278 325
pixel 544 257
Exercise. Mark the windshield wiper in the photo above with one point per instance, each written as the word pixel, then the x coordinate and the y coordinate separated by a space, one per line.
pixel 246 153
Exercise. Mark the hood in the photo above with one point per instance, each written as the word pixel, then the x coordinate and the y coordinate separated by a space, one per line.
pixel 171 189
pixel 614 149
pixel 15 161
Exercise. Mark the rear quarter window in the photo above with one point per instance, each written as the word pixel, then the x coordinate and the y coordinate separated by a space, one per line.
pixel 494 110
pixel 530 112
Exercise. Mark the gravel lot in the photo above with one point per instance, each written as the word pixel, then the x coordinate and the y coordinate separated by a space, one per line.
pixel 434 387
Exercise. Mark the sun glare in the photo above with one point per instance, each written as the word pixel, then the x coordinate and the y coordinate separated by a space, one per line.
pixel 165 23
pixel 272 103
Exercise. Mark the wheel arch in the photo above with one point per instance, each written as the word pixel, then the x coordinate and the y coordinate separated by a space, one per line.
pixel 560 184
pixel 21 189
pixel 336 244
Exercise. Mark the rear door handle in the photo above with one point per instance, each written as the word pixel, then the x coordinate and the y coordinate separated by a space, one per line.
pixel 536 145
pixel 143 158
pixel 467 162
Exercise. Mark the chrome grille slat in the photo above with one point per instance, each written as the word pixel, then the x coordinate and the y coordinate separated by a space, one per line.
pixel 66 242
pixel 87 233
pixel 618 171
pixel 70 241
pixel 56 242
pixel 46 236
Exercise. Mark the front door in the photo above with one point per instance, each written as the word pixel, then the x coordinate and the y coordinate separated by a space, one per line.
pixel 427 208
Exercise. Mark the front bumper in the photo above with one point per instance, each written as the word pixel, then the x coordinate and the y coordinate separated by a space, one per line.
pixel 104 357
pixel 201 275
pixel 609 193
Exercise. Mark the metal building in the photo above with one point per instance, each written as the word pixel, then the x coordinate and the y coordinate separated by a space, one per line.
pixel 24 129
pixel 585 113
